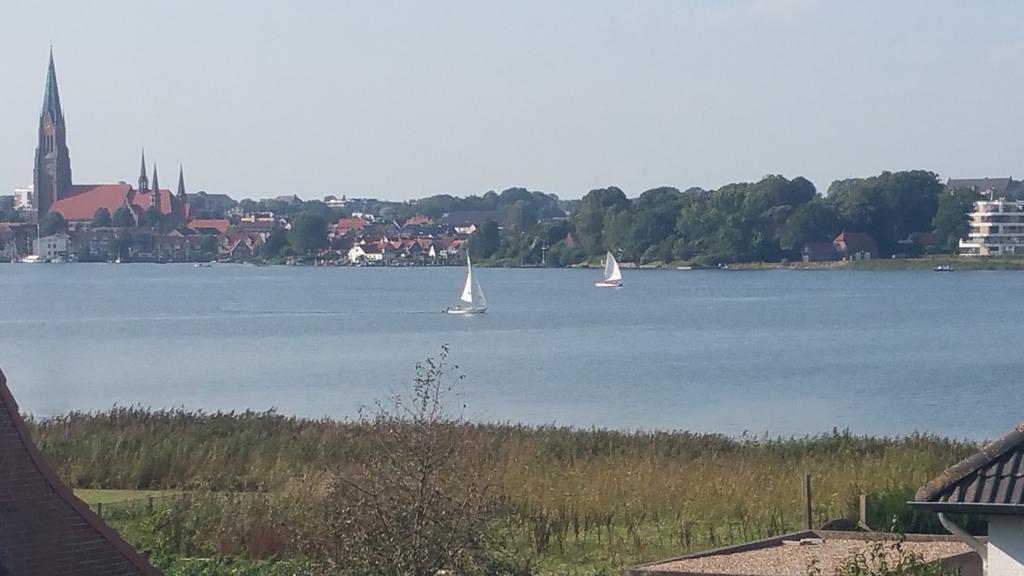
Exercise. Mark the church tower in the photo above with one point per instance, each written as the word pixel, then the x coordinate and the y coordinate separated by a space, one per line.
pixel 182 197
pixel 52 174
pixel 156 190
pixel 143 179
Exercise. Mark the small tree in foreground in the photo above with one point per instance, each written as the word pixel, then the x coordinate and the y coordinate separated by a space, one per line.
pixel 421 501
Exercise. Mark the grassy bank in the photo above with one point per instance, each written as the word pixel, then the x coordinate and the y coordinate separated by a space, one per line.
pixel 584 500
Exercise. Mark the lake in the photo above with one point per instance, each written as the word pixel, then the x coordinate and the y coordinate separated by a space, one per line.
pixel 777 352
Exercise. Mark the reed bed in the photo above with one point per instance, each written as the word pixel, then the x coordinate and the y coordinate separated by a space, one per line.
pixel 597 499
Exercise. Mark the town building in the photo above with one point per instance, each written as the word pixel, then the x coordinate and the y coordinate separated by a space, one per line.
pixel 989 484
pixel 53 246
pixel 53 189
pixel 44 529
pixel 996 228
pixel 23 198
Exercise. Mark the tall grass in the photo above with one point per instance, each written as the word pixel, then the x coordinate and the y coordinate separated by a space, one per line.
pixel 582 497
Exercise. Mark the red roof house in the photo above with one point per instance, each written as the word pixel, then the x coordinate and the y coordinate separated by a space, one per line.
pixel 82 202
pixel 855 246
pixel 44 529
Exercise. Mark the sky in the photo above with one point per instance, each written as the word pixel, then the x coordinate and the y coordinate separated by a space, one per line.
pixel 400 100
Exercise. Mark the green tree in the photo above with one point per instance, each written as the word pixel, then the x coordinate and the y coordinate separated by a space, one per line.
pixel 589 218
pixel 952 217
pixel 101 218
pixel 123 218
pixel 52 223
pixel 308 233
pixel 485 241
pixel 275 242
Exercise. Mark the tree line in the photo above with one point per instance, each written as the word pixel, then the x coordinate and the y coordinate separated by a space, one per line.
pixel 765 221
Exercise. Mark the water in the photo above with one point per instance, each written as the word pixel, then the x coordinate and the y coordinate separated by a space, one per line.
pixel 777 352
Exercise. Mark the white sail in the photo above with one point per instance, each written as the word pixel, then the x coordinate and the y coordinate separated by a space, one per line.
pixel 611 269
pixel 481 300
pixel 467 291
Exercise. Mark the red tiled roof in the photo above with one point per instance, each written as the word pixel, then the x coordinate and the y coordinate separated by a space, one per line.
pixel 44 529
pixel 345 225
pixel 218 224
pixel 144 200
pixel 84 200
pixel 419 221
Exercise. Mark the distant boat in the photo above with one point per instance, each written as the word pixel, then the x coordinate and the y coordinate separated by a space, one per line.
pixel 472 295
pixel 204 264
pixel 612 277
pixel 33 259
pixel 944 268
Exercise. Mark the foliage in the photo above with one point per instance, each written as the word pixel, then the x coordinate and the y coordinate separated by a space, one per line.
pixel 52 223
pixel 485 241
pixel 308 233
pixel 101 218
pixel 952 219
pixel 420 501
pixel 885 558
pixel 123 218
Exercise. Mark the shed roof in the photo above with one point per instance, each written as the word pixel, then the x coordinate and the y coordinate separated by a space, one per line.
pixel 989 482
pixel 44 529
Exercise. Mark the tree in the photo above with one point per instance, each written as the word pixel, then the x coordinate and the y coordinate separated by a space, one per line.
pixel 308 233
pixel 52 223
pixel 275 242
pixel 421 502
pixel 101 218
pixel 153 218
pixel 123 218
pixel 485 241
pixel 589 218
pixel 952 217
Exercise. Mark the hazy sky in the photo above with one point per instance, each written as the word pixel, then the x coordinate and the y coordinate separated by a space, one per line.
pixel 407 99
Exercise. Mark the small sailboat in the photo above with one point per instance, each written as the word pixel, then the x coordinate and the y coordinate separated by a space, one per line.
pixel 472 295
pixel 612 276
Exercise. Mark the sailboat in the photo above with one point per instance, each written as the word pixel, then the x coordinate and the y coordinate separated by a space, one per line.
pixel 612 276
pixel 472 295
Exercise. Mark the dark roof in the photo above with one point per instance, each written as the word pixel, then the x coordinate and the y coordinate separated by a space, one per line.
pixel 44 529
pixel 998 187
pixel 989 482
pixel 51 97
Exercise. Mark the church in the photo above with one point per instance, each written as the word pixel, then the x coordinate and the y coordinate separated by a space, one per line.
pixel 54 191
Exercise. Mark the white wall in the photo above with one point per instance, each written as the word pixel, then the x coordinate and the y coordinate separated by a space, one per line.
pixel 1006 546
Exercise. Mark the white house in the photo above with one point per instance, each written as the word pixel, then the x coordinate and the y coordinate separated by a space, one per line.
pixel 50 247
pixel 989 484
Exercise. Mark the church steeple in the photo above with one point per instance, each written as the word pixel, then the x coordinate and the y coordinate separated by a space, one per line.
pixel 156 189
pixel 143 179
pixel 52 174
pixel 51 97
pixel 181 186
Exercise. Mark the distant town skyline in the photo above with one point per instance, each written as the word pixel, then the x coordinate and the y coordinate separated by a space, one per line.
pixel 404 100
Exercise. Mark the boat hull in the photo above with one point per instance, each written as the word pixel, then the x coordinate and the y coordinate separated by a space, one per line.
pixel 458 310
pixel 604 284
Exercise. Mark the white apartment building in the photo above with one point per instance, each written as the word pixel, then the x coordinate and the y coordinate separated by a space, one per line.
pixel 23 198
pixel 997 229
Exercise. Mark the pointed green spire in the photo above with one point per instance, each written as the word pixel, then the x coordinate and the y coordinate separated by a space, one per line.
pixel 51 98
pixel 181 183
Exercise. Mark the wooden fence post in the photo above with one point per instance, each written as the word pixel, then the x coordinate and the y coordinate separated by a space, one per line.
pixel 863 510
pixel 99 510
pixel 807 502
pixel 149 504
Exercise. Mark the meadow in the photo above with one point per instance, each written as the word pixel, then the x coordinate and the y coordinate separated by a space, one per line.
pixel 245 487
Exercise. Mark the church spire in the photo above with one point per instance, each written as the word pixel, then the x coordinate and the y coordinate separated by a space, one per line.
pixel 181 184
pixel 156 189
pixel 143 179
pixel 51 97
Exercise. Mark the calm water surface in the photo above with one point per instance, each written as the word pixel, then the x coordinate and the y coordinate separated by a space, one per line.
pixel 782 352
